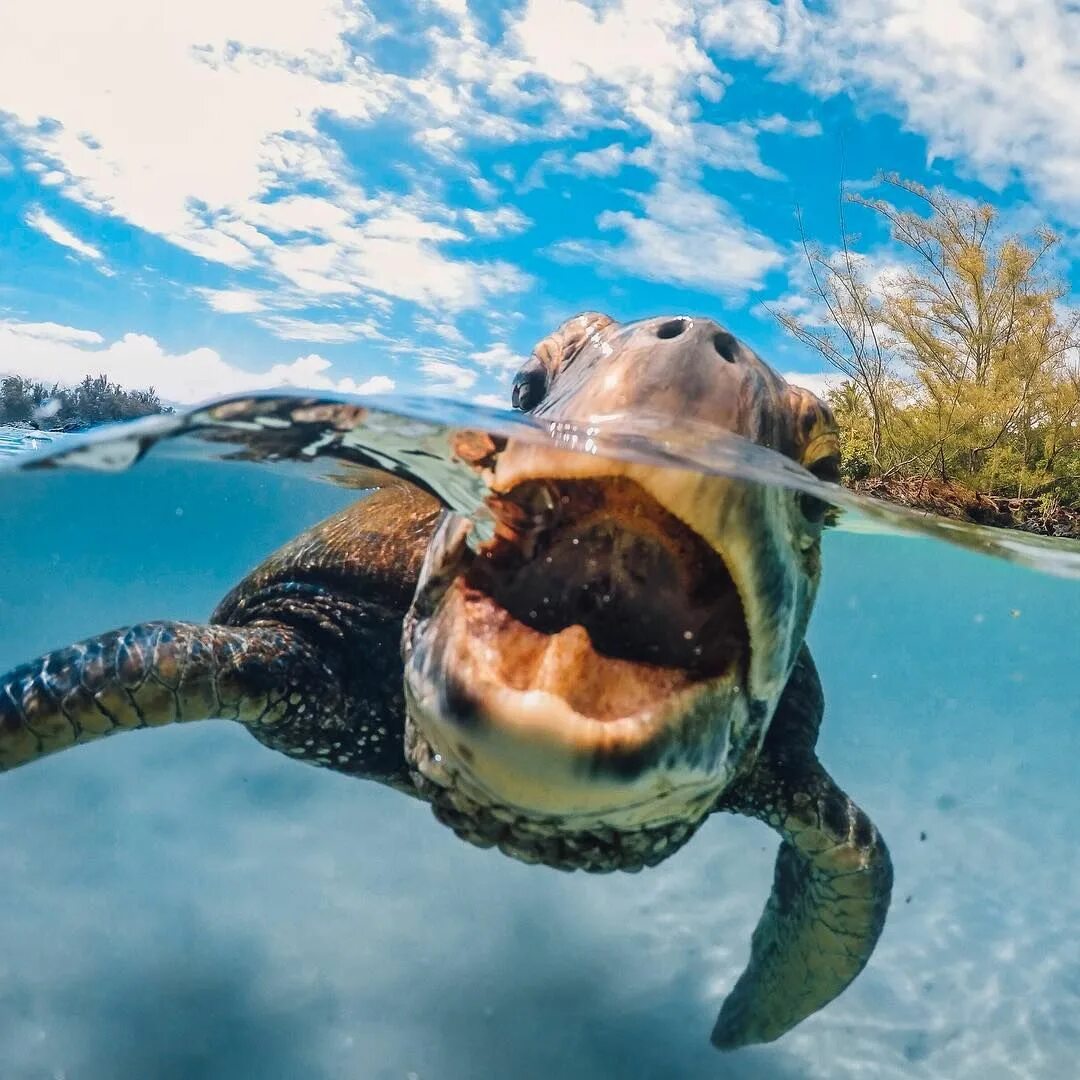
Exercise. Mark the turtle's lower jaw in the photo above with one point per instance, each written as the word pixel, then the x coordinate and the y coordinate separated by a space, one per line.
pixel 590 663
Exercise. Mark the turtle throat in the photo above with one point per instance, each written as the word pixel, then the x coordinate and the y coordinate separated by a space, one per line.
pixel 595 594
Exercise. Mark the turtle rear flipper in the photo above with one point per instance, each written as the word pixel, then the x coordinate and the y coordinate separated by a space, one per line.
pixel 156 673
pixel 831 886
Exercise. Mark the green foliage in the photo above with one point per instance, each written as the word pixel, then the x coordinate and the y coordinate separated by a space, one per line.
pixel 962 363
pixel 93 401
pixel 856 436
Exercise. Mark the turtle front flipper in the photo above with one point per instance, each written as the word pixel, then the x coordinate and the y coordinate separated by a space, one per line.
pixel 831 885
pixel 157 673
pixel 305 652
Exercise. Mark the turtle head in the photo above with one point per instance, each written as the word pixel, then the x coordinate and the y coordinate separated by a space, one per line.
pixel 614 654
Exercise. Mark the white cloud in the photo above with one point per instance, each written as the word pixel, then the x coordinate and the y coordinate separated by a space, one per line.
pixel 447 377
pixel 642 80
pixel 50 331
pixel 483 187
pixel 377 384
pixel 686 236
pixel 308 214
pixel 228 76
pixel 986 80
pixel 549 161
pixel 54 353
pixel 247 89
pixel 989 83
pixel 452 7
pixel 784 125
pixel 493 401
pixel 233 301
pixel 498 357
pixel 606 161
pixel 680 153
pixel 745 27
pixel 310 373
pixel 727 146
pixel 447 331
pixel 231 122
pixel 817 382
pixel 439 141
pixel 879 269
pixel 641 54
pixel 503 221
pixel 292 329
pixel 393 252
pixel 60 234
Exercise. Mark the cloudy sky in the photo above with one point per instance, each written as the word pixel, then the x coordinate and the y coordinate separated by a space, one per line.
pixel 228 193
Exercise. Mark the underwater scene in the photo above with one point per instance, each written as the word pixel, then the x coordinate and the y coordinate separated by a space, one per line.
pixel 188 902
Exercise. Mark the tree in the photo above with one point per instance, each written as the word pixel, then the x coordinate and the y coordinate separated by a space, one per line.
pixel 964 361
pixel 93 401
pixel 850 337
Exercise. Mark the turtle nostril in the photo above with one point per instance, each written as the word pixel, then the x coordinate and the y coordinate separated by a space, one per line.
pixel 726 345
pixel 672 328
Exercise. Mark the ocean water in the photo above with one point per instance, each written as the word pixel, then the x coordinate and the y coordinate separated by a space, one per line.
pixel 186 903
pixel 14 439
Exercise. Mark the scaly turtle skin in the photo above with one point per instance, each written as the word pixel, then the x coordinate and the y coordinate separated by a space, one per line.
pixel 622 659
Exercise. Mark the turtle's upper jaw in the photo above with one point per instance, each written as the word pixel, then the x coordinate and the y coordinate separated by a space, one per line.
pixel 589 663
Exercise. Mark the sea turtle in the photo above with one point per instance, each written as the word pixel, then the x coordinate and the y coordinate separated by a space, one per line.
pixel 621 659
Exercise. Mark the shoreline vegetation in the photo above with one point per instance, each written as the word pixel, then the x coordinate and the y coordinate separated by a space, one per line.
pixel 959 356
pixel 1037 514
pixel 25 403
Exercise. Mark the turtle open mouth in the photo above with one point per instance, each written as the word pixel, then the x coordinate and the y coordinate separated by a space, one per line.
pixel 592 592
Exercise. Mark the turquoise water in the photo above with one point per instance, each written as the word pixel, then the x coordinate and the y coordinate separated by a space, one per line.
pixel 186 903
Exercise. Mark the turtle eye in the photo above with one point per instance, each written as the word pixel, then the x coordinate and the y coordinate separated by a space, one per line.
pixel 530 386
pixel 828 469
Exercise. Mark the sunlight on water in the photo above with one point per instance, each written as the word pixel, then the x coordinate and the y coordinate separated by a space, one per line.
pixel 187 903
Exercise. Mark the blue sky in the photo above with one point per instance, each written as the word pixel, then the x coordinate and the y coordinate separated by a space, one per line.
pixel 339 195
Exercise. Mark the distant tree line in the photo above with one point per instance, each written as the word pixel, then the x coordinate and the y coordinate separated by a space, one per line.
pixel 95 400
pixel 961 358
